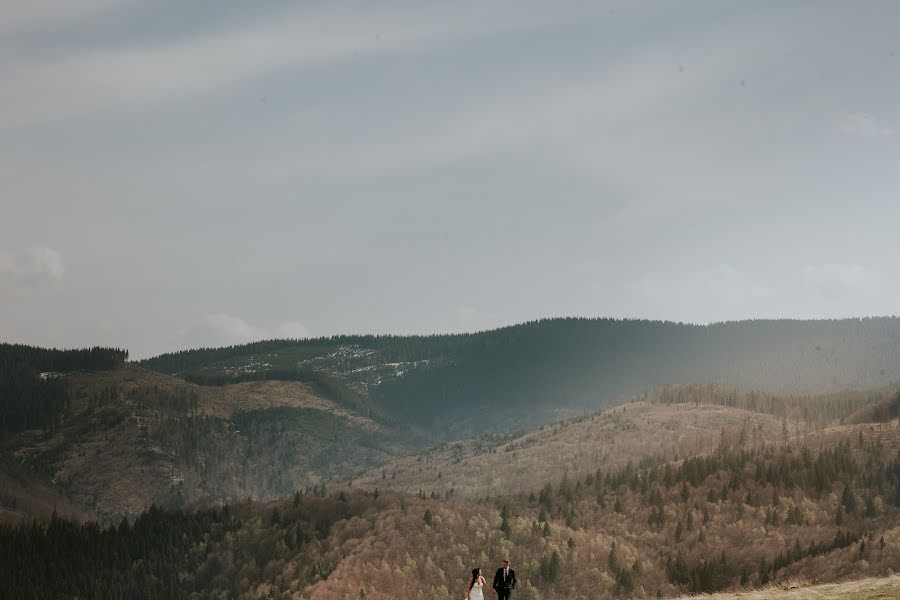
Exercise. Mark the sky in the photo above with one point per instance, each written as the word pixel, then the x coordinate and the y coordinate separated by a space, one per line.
pixel 181 174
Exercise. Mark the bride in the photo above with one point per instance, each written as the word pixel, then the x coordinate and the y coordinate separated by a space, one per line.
pixel 476 585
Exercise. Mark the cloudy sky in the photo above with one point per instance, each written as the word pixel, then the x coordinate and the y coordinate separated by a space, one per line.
pixel 175 174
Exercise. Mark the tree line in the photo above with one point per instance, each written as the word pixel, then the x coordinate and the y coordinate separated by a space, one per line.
pixel 823 409
pixel 33 386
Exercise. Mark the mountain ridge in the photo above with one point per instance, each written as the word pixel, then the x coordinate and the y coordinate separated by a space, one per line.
pixel 528 374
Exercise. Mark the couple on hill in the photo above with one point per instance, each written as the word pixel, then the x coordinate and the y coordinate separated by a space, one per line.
pixel 504 582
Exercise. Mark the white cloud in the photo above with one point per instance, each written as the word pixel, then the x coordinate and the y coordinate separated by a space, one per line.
pixel 468 318
pixel 37 269
pixel 222 329
pixel 723 287
pixel 839 280
pixel 291 329
pixel 45 261
pixel 865 125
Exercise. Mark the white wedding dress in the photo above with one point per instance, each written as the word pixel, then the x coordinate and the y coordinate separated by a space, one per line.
pixel 475 593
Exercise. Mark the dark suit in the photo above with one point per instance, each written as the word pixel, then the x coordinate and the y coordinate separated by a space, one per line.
pixel 504 585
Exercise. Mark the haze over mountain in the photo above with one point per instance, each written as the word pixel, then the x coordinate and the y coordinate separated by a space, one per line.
pixel 339 301
pixel 536 372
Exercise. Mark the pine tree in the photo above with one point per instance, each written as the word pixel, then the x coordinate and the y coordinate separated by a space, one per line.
pixel 870 507
pixel 553 567
pixel 848 500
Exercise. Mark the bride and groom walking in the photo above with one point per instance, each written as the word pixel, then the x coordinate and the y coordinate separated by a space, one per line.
pixel 504 582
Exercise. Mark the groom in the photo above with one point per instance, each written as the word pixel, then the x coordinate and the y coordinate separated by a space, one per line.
pixel 504 581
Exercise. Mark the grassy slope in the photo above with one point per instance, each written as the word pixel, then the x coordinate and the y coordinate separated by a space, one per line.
pixel 872 588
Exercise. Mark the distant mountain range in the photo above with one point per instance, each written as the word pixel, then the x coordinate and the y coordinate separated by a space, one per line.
pixel 528 374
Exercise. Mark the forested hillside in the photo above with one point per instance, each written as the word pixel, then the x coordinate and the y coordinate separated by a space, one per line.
pixel 542 371
pixel 668 422
pixel 816 507
pixel 129 437
pixel 813 410
pixel 33 391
